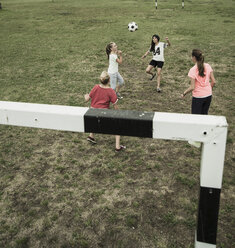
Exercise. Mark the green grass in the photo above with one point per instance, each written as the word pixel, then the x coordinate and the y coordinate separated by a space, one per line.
pixel 58 191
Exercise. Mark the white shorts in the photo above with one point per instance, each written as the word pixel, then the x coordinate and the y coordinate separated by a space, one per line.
pixel 114 79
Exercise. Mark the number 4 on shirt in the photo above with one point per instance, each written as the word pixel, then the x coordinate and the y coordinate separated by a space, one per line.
pixel 157 51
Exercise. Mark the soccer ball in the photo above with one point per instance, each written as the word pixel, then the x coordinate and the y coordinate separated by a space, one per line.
pixel 132 26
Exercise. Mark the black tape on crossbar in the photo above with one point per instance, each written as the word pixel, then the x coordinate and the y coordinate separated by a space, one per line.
pixel 124 122
pixel 208 211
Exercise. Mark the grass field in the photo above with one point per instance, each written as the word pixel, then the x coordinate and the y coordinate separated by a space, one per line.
pixel 56 190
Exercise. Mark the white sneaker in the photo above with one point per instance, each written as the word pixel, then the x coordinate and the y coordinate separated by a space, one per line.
pixel 195 143
pixel 119 95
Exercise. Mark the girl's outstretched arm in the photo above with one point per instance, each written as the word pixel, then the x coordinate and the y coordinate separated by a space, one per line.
pixel 168 42
pixel 145 54
pixel 190 88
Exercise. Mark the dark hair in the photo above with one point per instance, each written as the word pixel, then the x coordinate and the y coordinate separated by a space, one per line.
pixel 197 53
pixel 152 48
pixel 108 48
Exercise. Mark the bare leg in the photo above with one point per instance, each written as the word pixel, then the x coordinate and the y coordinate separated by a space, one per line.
pixel 91 139
pixel 117 137
pixel 148 70
pixel 118 146
pixel 118 88
pixel 158 77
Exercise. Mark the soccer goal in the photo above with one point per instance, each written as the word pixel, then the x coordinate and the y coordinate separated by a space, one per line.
pixel 181 4
pixel 210 130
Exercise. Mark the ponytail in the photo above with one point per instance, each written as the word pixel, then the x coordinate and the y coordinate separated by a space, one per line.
pixel 200 66
pixel 200 61
pixel 108 48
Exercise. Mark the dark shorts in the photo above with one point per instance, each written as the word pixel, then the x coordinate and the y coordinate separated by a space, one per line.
pixel 155 63
pixel 201 106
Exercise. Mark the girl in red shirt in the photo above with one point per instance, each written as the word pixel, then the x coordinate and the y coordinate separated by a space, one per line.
pixel 101 96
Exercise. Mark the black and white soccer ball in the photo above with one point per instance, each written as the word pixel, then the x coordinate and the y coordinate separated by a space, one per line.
pixel 132 26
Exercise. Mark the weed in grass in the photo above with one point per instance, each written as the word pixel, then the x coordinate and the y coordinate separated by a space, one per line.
pixel 156 166
pixel 135 204
pixel 45 203
pixel 79 241
pixel 114 218
pixel 132 221
pixel 53 240
pixel 169 218
pixel 154 180
pixel 139 162
pixel 22 243
pixel 229 140
pixel 66 176
pixel 97 172
pixel 98 193
pixel 32 213
pixel 185 180
pixel 119 176
pixel 116 186
pixel 160 158
pixel 60 169
pixel 3 162
pixel 228 208
pixel 190 223
pixel 54 217
pixel 230 236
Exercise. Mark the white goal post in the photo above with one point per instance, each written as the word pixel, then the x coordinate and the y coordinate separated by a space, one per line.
pixel 182 4
pixel 208 129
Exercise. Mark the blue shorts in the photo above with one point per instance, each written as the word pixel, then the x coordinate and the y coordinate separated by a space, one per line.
pixel 115 80
pixel 155 63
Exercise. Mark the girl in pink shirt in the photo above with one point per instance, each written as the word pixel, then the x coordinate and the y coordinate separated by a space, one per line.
pixel 202 82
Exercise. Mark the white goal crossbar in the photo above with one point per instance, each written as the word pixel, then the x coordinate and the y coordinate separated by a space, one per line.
pixel 208 129
pixel 181 4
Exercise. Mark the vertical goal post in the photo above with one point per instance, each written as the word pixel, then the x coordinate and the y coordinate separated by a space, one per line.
pixel 208 129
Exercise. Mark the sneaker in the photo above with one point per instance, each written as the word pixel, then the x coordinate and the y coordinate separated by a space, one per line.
pixel 92 140
pixel 153 76
pixel 195 143
pixel 120 149
pixel 119 95
pixel 159 90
